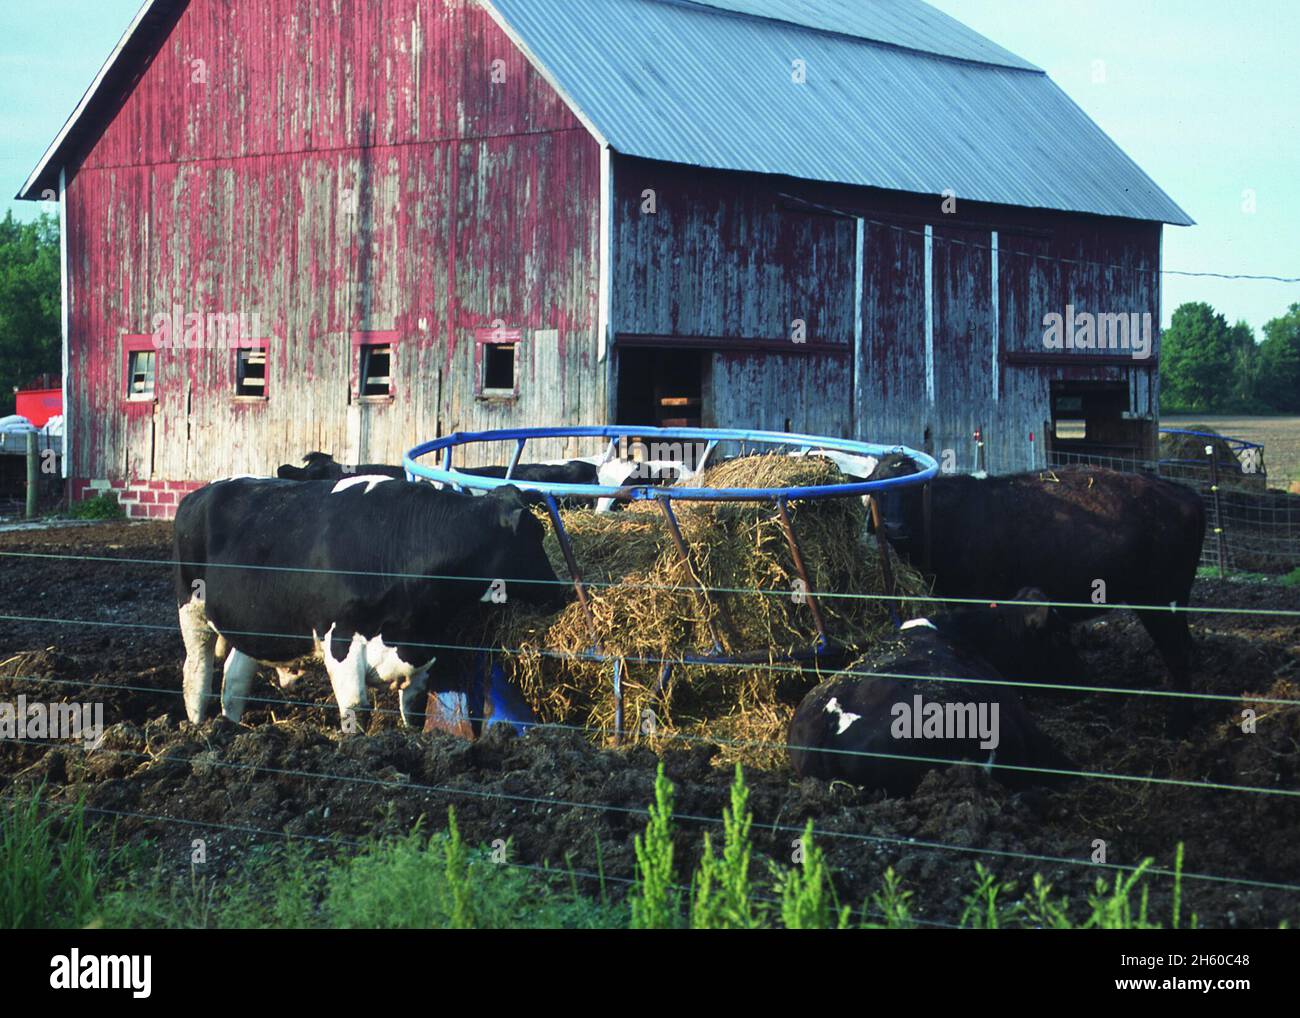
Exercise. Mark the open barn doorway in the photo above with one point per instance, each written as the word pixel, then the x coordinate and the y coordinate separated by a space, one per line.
pixel 1093 422
pixel 663 387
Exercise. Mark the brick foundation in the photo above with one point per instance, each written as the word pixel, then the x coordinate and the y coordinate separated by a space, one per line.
pixel 141 500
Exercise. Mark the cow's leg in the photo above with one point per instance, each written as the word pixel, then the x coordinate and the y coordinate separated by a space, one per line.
pixel 348 677
pixel 408 679
pixel 238 676
pixel 414 696
pixel 200 643
pixel 1174 642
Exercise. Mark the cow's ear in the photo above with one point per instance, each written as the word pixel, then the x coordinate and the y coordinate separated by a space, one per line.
pixel 513 508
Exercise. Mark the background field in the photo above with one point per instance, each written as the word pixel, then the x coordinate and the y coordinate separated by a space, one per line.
pixel 1280 436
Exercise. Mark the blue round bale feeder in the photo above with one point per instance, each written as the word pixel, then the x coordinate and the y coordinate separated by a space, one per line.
pixel 1249 455
pixel 491 698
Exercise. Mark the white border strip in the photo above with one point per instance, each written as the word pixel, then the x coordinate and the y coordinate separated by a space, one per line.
pixel 604 308
pixel 65 310
pixel 859 274
pixel 997 313
pixel 929 313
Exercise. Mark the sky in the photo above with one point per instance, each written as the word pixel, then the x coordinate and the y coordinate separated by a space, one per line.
pixel 1203 95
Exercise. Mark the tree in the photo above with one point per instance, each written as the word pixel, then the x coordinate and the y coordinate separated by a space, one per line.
pixel 30 328
pixel 1244 391
pixel 1196 360
pixel 1279 362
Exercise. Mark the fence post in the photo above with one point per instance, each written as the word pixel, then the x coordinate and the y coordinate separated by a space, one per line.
pixel 1218 511
pixel 32 474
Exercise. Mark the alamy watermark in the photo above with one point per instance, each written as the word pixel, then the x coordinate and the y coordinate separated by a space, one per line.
pixel 22 720
pixel 1085 330
pixel 179 329
pixel 77 971
pixel 934 720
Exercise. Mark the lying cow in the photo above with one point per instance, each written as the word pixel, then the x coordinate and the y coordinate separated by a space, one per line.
pixel 362 573
pixel 320 466
pixel 882 732
pixel 1082 534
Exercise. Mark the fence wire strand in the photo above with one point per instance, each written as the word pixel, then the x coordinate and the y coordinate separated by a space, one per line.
pixel 898 843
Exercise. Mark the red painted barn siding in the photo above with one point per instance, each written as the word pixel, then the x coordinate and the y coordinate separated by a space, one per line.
pixel 299 75
pixel 1032 287
pixel 724 259
pixel 735 257
pixel 892 369
pixel 345 167
pixel 895 406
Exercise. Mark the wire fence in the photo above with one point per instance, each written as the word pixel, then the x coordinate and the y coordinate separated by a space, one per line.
pixel 444 792
pixel 1249 528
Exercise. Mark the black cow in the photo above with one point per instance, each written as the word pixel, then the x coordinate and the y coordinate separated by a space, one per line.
pixel 569 472
pixel 321 466
pixel 1082 534
pixel 362 573
pixel 907 720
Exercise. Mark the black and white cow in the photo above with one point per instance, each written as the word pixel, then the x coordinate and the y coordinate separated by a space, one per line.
pixel 362 573
pixel 886 732
pixel 321 466
pixel 604 470
pixel 1082 534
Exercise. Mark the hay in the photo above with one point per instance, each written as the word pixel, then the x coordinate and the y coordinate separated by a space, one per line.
pixel 646 605
pixel 1186 459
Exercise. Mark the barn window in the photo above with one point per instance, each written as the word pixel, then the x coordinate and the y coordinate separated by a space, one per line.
pixel 499 367
pixel 140 374
pixel 250 373
pixel 376 369
pixel 374 364
pixel 496 358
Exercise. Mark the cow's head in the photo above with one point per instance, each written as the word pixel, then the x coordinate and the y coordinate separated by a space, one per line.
pixel 1021 639
pixel 320 466
pixel 520 554
pixel 899 507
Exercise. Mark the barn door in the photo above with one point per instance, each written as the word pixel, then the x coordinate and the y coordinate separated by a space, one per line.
pixel 661 387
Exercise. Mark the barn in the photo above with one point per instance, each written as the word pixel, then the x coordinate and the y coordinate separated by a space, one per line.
pixel 314 224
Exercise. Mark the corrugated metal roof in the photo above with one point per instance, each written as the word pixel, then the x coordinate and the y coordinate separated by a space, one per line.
pixel 689 82
pixel 898 96
pixel 895 22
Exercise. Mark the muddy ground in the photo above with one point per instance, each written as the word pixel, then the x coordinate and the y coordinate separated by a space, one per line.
pixel 564 800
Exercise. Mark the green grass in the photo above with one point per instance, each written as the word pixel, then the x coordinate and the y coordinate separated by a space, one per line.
pixel 1290 579
pixel 51 876
pixel 101 507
